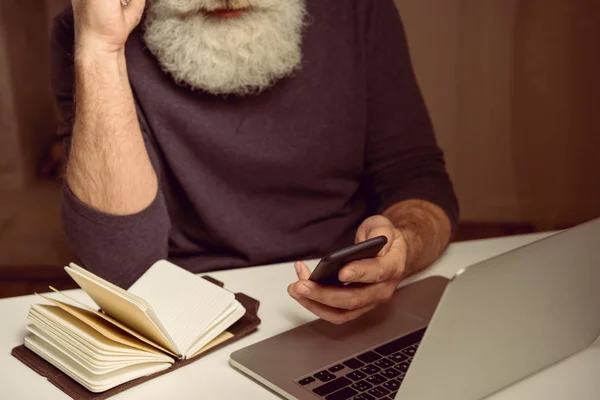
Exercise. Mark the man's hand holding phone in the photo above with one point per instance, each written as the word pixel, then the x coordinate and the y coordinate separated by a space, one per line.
pixel 380 274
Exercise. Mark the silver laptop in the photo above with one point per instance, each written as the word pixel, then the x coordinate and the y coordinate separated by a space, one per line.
pixel 491 325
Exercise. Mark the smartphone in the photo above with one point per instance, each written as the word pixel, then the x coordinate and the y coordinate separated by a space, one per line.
pixel 326 272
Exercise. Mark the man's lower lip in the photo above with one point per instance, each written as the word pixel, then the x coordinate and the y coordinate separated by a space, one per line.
pixel 227 13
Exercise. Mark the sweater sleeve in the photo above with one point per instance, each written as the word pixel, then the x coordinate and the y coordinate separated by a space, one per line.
pixel 403 160
pixel 117 248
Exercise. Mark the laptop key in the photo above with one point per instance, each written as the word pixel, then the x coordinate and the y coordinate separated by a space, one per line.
pixel 369 357
pixel 332 386
pixel 378 392
pixel 410 351
pixel 370 369
pixel 392 385
pixel 306 380
pixel 391 373
pixel 353 363
pixel 362 386
pixel 356 375
pixel 384 363
pixel 403 366
pixel 376 379
pixel 364 396
pixel 336 368
pixel 396 345
pixel 344 394
pixel 398 357
pixel 324 376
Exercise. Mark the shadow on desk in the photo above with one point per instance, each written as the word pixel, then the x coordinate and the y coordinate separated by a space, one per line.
pixel 23 280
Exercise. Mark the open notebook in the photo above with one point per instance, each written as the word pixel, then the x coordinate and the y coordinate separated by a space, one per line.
pixel 168 315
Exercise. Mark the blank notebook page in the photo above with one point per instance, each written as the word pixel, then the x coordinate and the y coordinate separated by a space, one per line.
pixel 185 303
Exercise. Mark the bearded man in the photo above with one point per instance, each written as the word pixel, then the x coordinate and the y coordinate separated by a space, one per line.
pixel 226 134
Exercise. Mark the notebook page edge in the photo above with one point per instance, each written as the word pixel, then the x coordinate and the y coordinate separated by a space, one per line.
pixel 65 306
pixel 99 285
pixel 86 338
pixel 48 353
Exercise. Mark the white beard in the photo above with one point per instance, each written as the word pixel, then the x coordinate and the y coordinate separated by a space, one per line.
pixel 241 55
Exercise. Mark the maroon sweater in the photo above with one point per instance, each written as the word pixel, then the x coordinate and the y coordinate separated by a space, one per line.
pixel 288 174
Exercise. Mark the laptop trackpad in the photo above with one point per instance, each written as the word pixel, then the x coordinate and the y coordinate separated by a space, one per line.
pixel 370 323
pixel 411 307
pixel 320 343
pixel 329 343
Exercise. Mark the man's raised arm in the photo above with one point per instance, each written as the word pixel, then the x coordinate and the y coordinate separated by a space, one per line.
pixel 108 168
pixel 114 215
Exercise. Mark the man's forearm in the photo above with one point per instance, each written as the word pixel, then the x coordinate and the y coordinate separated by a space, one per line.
pixel 426 229
pixel 109 168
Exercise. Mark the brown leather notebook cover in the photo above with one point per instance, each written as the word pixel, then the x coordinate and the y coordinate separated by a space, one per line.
pixel 247 324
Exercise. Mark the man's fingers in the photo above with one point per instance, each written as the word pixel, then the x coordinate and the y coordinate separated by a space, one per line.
pixel 346 298
pixel 361 234
pixel 331 314
pixel 387 231
pixel 376 225
pixel 302 270
pixel 369 270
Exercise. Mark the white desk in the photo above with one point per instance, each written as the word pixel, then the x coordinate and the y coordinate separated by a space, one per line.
pixel 212 378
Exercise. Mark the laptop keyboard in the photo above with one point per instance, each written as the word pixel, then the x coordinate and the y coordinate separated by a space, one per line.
pixel 375 374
